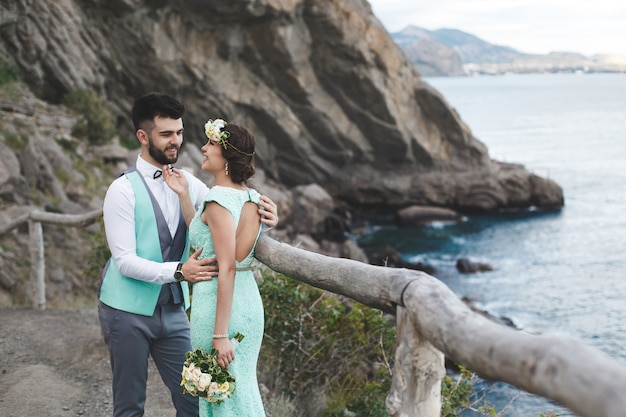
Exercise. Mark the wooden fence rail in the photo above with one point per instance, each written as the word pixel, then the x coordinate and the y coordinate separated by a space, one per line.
pixel 431 322
pixel 35 218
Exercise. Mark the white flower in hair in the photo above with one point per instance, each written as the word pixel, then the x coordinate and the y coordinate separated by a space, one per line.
pixel 213 131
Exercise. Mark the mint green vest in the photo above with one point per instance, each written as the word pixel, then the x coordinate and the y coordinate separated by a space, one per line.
pixel 134 295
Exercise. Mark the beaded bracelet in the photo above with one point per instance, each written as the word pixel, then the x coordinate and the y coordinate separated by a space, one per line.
pixel 220 336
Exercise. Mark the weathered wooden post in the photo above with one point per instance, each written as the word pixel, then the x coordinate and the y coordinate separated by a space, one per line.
pixel 37 264
pixel 417 373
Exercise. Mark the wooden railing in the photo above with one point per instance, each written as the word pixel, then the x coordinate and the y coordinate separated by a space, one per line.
pixel 35 218
pixel 431 322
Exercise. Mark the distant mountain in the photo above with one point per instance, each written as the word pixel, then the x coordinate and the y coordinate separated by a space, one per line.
pixel 470 48
pixel 432 58
pixel 453 52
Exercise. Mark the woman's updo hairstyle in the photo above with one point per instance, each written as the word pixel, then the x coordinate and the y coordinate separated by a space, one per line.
pixel 239 153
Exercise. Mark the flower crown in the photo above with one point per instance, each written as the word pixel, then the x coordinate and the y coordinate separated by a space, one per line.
pixel 213 131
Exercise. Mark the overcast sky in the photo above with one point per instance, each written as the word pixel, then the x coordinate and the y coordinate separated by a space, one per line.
pixel 531 26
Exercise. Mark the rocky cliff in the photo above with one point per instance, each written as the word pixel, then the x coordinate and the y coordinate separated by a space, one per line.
pixel 341 116
pixel 330 96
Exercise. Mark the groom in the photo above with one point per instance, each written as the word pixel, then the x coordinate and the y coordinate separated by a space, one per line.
pixel 144 293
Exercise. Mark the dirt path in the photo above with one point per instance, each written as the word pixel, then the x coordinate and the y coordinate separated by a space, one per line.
pixel 54 363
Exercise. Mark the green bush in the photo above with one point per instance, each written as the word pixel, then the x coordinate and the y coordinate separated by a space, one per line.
pixel 16 142
pixel 8 73
pixel 97 123
pixel 456 391
pixel 327 350
pixel 66 144
pixel 98 256
pixel 316 345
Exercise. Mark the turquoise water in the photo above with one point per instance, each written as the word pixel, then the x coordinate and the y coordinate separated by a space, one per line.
pixel 555 273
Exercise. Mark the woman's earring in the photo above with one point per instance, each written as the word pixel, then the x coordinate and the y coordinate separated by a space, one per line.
pixel 226 168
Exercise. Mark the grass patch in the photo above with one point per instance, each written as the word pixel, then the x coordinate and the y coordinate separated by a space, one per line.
pixel 8 73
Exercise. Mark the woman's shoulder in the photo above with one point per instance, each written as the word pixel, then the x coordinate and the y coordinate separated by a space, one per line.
pixel 254 195
pixel 218 191
pixel 231 197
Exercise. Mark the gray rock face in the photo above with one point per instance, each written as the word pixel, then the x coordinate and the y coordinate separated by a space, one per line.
pixel 330 96
pixel 419 215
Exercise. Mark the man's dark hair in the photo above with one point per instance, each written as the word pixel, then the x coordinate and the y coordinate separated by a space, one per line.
pixel 151 105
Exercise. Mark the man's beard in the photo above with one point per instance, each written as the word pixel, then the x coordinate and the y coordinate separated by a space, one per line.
pixel 159 155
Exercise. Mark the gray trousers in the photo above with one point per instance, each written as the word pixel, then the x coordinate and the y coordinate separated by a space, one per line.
pixel 131 338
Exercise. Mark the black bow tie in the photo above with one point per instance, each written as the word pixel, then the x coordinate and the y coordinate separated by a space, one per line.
pixel 157 174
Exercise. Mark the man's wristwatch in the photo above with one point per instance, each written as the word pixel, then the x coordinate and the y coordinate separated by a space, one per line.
pixel 178 275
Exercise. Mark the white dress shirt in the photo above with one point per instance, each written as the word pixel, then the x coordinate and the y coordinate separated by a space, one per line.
pixel 119 222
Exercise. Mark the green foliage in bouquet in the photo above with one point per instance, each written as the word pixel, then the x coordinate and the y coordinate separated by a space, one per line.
pixel 203 377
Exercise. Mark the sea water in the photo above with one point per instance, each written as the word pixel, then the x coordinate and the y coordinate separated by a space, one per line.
pixel 561 273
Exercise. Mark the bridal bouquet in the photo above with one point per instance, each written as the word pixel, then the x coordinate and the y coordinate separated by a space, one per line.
pixel 203 377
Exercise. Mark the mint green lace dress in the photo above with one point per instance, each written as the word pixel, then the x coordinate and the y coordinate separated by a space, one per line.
pixel 246 316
